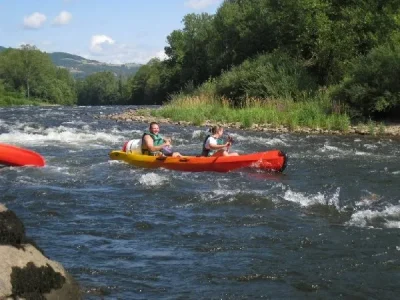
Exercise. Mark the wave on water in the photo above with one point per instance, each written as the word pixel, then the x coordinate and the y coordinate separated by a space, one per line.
pixel 62 135
pixel 152 179
pixel 389 217
pixel 337 152
pixel 309 200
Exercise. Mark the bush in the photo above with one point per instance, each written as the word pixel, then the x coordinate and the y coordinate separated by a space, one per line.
pixel 372 86
pixel 273 75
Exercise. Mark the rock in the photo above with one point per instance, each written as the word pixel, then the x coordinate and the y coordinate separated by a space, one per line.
pixel 12 230
pixel 25 272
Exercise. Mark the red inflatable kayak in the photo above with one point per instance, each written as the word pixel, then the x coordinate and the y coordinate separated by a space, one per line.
pixel 16 156
pixel 274 160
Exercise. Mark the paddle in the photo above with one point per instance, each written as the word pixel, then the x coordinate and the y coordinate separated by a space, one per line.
pixel 230 141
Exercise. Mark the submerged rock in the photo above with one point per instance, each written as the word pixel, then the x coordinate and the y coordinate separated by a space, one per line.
pixel 25 272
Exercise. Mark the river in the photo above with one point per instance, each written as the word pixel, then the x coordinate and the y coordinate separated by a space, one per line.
pixel 328 227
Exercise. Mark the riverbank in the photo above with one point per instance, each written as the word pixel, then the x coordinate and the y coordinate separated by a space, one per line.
pixel 12 99
pixel 371 129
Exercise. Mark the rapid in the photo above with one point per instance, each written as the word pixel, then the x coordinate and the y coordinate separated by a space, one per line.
pixel 328 226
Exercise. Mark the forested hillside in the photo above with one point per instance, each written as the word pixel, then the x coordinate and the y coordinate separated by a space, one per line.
pixel 81 67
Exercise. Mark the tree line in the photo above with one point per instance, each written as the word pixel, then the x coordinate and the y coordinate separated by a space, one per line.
pixel 273 49
pixel 27 73
pixel 265 49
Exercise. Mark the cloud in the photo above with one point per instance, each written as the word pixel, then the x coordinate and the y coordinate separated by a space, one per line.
pixel 105 49
pixel 63 18
pixel 200 4
pixel 34 21
pixel 161 55
pixel 98 42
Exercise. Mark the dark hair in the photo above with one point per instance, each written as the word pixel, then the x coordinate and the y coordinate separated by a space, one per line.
pixel 153 123
pixel 214 129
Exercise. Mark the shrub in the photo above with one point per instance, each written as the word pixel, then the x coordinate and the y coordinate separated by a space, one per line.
pixel 372 86
pixel 273 75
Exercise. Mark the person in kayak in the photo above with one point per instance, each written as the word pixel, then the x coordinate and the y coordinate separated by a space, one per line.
pixel 155 145
pixel 213 144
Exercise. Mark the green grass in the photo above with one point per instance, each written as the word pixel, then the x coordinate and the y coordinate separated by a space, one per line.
pixel 11 99
pixel 314 113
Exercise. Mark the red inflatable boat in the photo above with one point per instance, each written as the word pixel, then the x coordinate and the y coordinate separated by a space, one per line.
pixel 16 156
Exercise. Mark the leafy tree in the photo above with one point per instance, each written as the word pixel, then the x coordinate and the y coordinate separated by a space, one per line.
pixel 269 76
pixel 323 37
pixel 372 87
pixel 32 72
pixel 99 89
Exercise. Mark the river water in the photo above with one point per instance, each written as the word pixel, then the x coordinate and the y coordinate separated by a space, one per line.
pixel 328 227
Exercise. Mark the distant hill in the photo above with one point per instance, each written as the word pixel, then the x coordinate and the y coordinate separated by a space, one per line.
pixel 81 67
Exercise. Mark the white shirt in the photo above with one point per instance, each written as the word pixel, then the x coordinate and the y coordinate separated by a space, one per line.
pixel 211 140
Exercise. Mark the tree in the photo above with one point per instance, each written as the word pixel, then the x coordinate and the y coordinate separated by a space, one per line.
pixel 99 89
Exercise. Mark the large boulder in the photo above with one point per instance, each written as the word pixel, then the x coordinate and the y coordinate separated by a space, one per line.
pixel 25 272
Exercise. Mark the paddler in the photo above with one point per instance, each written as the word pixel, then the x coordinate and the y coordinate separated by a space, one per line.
pixel 213 144
pixel 155 145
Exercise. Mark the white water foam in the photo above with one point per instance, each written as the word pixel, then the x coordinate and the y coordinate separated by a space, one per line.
pixel 336 152
pixel 152 179
pixel 308 200
pixel 199 134
pixel 62 135
pixel 388 217
pixel 370 146
pixel 262 140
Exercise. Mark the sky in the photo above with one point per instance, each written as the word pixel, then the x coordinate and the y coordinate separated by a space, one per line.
pixel 117 31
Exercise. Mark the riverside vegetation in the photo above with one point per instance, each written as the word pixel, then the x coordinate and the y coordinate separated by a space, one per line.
pixel 320 64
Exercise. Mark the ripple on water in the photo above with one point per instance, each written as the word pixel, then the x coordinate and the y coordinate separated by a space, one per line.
pixel 133 233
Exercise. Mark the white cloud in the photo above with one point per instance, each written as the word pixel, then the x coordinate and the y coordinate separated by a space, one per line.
pixel 200 4
pixel 98 42
pixel 34 21
pixel 63 18
pixel 161 55
pixel 105 49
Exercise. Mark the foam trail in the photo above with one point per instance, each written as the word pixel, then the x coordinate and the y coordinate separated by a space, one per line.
pixel 388 217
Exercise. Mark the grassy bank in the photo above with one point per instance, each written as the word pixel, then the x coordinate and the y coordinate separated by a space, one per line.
pixel 313 114
pixel 10 99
